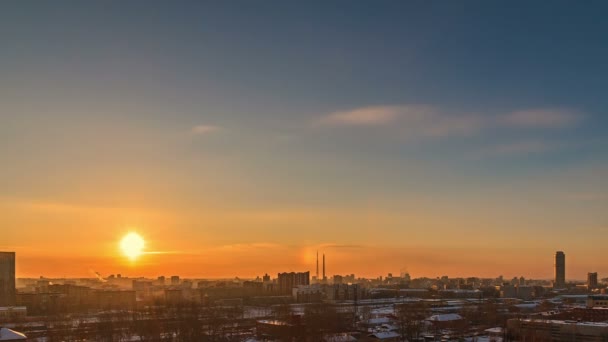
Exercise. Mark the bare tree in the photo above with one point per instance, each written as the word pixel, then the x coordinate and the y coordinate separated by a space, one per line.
pixel 410 319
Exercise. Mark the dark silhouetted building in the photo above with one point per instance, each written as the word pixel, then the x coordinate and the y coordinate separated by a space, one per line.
pixel 592 280
pixel 287 281
pixel 174 280
pixel 7 278
pixel 560 270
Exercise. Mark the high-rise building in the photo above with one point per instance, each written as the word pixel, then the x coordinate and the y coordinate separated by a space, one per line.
pixel 560 270
pixel 287 281
pixel 7 278
pixel 174 280
pixel 592 280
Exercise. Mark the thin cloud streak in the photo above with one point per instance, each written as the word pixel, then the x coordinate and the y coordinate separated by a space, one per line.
pixel 204 129
pixel 429 121
pixel 413 120
pixel 362 116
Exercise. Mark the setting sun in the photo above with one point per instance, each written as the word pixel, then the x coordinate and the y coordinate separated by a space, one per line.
pixel 132 245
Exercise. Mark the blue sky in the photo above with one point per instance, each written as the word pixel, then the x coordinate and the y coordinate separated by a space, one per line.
pixel 436 108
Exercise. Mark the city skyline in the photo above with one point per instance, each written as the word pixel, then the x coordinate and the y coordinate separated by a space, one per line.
pixel 240 139
pixel 559 279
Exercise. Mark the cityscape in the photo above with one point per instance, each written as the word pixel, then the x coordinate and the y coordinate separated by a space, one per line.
pixel 293 306
pixel 303 171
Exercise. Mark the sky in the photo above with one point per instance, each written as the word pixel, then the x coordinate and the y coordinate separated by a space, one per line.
pixel 238 138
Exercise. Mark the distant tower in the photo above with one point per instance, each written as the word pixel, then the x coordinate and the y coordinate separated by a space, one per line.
pixel 324 277
pixel 560 270
pixel 317 265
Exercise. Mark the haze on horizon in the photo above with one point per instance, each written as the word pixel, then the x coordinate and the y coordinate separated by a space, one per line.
pixel 459 138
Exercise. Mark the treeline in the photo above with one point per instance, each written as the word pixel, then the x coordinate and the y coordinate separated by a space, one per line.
pixel 181 323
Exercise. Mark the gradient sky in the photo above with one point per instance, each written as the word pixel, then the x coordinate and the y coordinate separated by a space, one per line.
pixel 458 138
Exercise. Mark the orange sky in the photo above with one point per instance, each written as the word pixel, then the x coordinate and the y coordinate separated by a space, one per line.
pixel 400 136
pixel 77 240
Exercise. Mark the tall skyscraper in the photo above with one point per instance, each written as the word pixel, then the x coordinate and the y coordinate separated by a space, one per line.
pixel 7 278
pixel 560 270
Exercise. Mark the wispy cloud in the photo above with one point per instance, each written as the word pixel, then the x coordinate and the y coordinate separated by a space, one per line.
pixel 431 121
pixel 378 115
pixel 541 118
pixel 413 120
pixel 204 129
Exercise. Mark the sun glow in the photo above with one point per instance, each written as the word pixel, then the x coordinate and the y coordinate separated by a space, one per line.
pixel 132 245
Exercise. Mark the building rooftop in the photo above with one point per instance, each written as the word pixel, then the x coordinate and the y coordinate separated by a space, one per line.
pixel 445 317
pixel 495 330
pixel 339 338
pixel 566 322
pixel 379 320
pixel 273 322
pixel 11 335
pixel 385 335
pixel 599 297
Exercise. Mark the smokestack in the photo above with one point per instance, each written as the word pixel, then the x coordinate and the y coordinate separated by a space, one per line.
pixel 317 265
pixel 324 267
